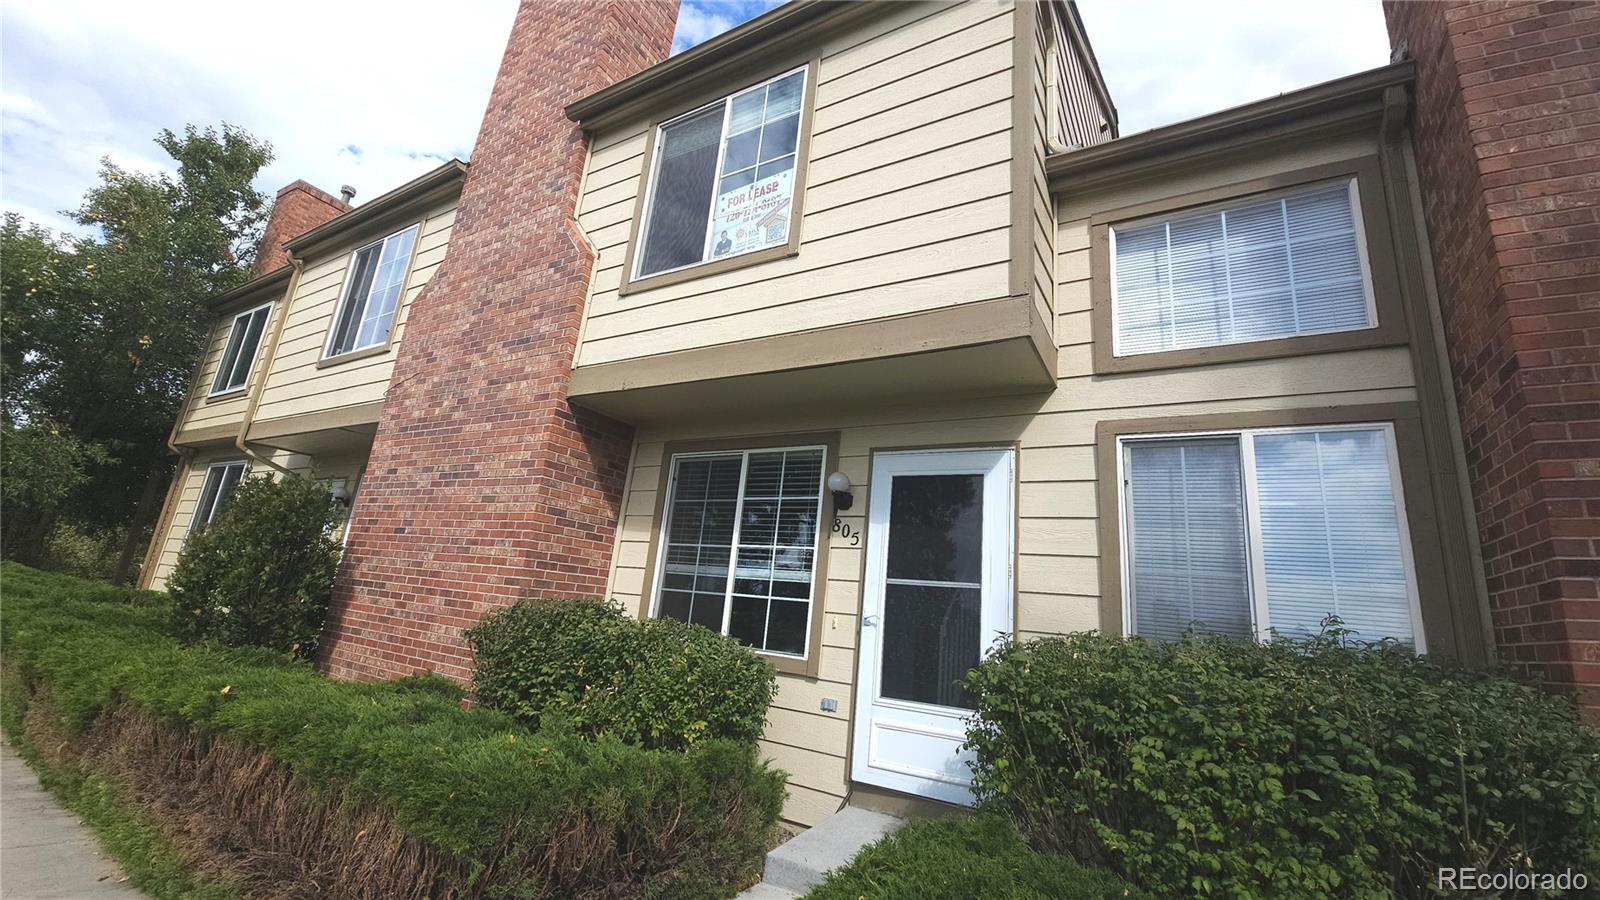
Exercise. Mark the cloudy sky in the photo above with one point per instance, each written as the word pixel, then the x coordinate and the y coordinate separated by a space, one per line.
pixel 338 87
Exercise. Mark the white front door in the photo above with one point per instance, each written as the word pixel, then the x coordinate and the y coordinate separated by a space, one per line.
pixel 937 594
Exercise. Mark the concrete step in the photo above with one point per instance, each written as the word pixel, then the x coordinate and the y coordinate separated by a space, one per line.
pixel 808 857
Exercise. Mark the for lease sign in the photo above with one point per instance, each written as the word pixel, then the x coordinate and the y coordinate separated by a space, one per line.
pixel 753 216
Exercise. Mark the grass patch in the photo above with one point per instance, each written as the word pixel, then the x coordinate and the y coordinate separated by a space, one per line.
pixel 434 799
pixel 965 858
pixel 150 861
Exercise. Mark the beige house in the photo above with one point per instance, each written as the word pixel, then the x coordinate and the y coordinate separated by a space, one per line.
pixel 918 352
pixel 299 359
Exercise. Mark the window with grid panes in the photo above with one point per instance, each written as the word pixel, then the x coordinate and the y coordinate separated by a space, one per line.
pixel 739 545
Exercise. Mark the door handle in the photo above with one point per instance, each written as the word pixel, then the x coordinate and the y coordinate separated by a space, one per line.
pixel 869 622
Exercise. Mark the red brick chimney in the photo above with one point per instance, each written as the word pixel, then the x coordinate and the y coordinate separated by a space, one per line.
pixel 299 208
pixel 484 485
pixel 1506 125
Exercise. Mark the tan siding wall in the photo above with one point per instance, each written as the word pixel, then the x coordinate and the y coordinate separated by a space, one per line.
pixel 1058 577
pixel 228 410
pixel 905 207
pixel 1042 265
pixel 295 385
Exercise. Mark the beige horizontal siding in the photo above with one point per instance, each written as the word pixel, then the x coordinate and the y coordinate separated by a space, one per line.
pixel 906 206
pixel 295 384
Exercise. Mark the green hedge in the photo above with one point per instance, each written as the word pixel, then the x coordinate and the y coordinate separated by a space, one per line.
pixel 261 573
pixel 583 665
pixel 977 858
pixel 474 784
pixel 1222 767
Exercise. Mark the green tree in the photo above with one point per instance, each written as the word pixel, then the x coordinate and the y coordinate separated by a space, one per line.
pixel 101 333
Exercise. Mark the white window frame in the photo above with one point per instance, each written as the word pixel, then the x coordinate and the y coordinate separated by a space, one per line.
pixel 1256 580
pixel 1354 192
pixel 345 298
pixel 664 532
pixel 196 521
pixel 222 362
pixel 716 181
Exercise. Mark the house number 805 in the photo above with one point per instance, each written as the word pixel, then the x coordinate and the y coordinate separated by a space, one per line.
pixel 846 532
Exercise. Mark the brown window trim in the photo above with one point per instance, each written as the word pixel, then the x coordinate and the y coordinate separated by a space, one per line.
pixel 1428 550
pixel 324 361
pixel 1387 296
pixel 755 257
pixel 807 667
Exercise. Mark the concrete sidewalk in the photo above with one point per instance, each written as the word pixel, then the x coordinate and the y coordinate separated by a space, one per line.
pixel 45 852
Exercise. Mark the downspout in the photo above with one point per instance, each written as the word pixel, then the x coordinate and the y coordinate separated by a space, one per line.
pixel 266 369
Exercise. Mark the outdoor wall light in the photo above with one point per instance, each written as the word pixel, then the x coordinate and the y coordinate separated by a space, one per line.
pixel 839 484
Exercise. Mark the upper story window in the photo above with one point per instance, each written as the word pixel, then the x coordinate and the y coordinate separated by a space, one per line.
pixel 722 180
pixel 1256 532
pixel 244 340
pixel 372 293
pixel 1255 269
pixel 221 479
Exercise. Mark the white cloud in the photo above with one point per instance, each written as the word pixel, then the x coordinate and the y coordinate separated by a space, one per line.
pixel 1169 60
pixel 698 23
pixel 358 91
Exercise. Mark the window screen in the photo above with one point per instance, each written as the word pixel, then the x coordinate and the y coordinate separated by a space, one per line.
pixel 740 544
pixel 244 340
pixel 1252 271
pixel 372 293
pixel 221 479
pixel 1318 509
pixel 722 181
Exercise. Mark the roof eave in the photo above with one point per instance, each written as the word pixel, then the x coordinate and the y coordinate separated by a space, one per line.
pixel 277 278
pixel 450 174
pixel 1327 105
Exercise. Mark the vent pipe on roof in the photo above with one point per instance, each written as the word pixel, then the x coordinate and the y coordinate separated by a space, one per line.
pixel 347 192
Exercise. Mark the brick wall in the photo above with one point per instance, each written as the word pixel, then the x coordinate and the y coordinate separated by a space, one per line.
pixel 299 208
pixel 484 485
pixel 1507 139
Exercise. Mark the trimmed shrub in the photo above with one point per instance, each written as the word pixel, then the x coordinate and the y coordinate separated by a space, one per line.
pixel 416 796
pixel 1212 766
pixel 261 573
pixel 583 665
pixel 980 858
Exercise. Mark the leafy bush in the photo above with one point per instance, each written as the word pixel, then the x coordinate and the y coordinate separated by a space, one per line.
pixel 83 550
pixel 965 858
pixel 656 683
pixel 506 811
pixel 261 573
pixel 1314 768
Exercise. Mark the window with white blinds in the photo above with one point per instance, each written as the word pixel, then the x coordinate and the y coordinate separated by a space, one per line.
pixel 1270 531
pixel 761 511
pixel 1282 266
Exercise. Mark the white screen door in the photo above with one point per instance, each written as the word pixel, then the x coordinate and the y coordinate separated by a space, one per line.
pixel 937 594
